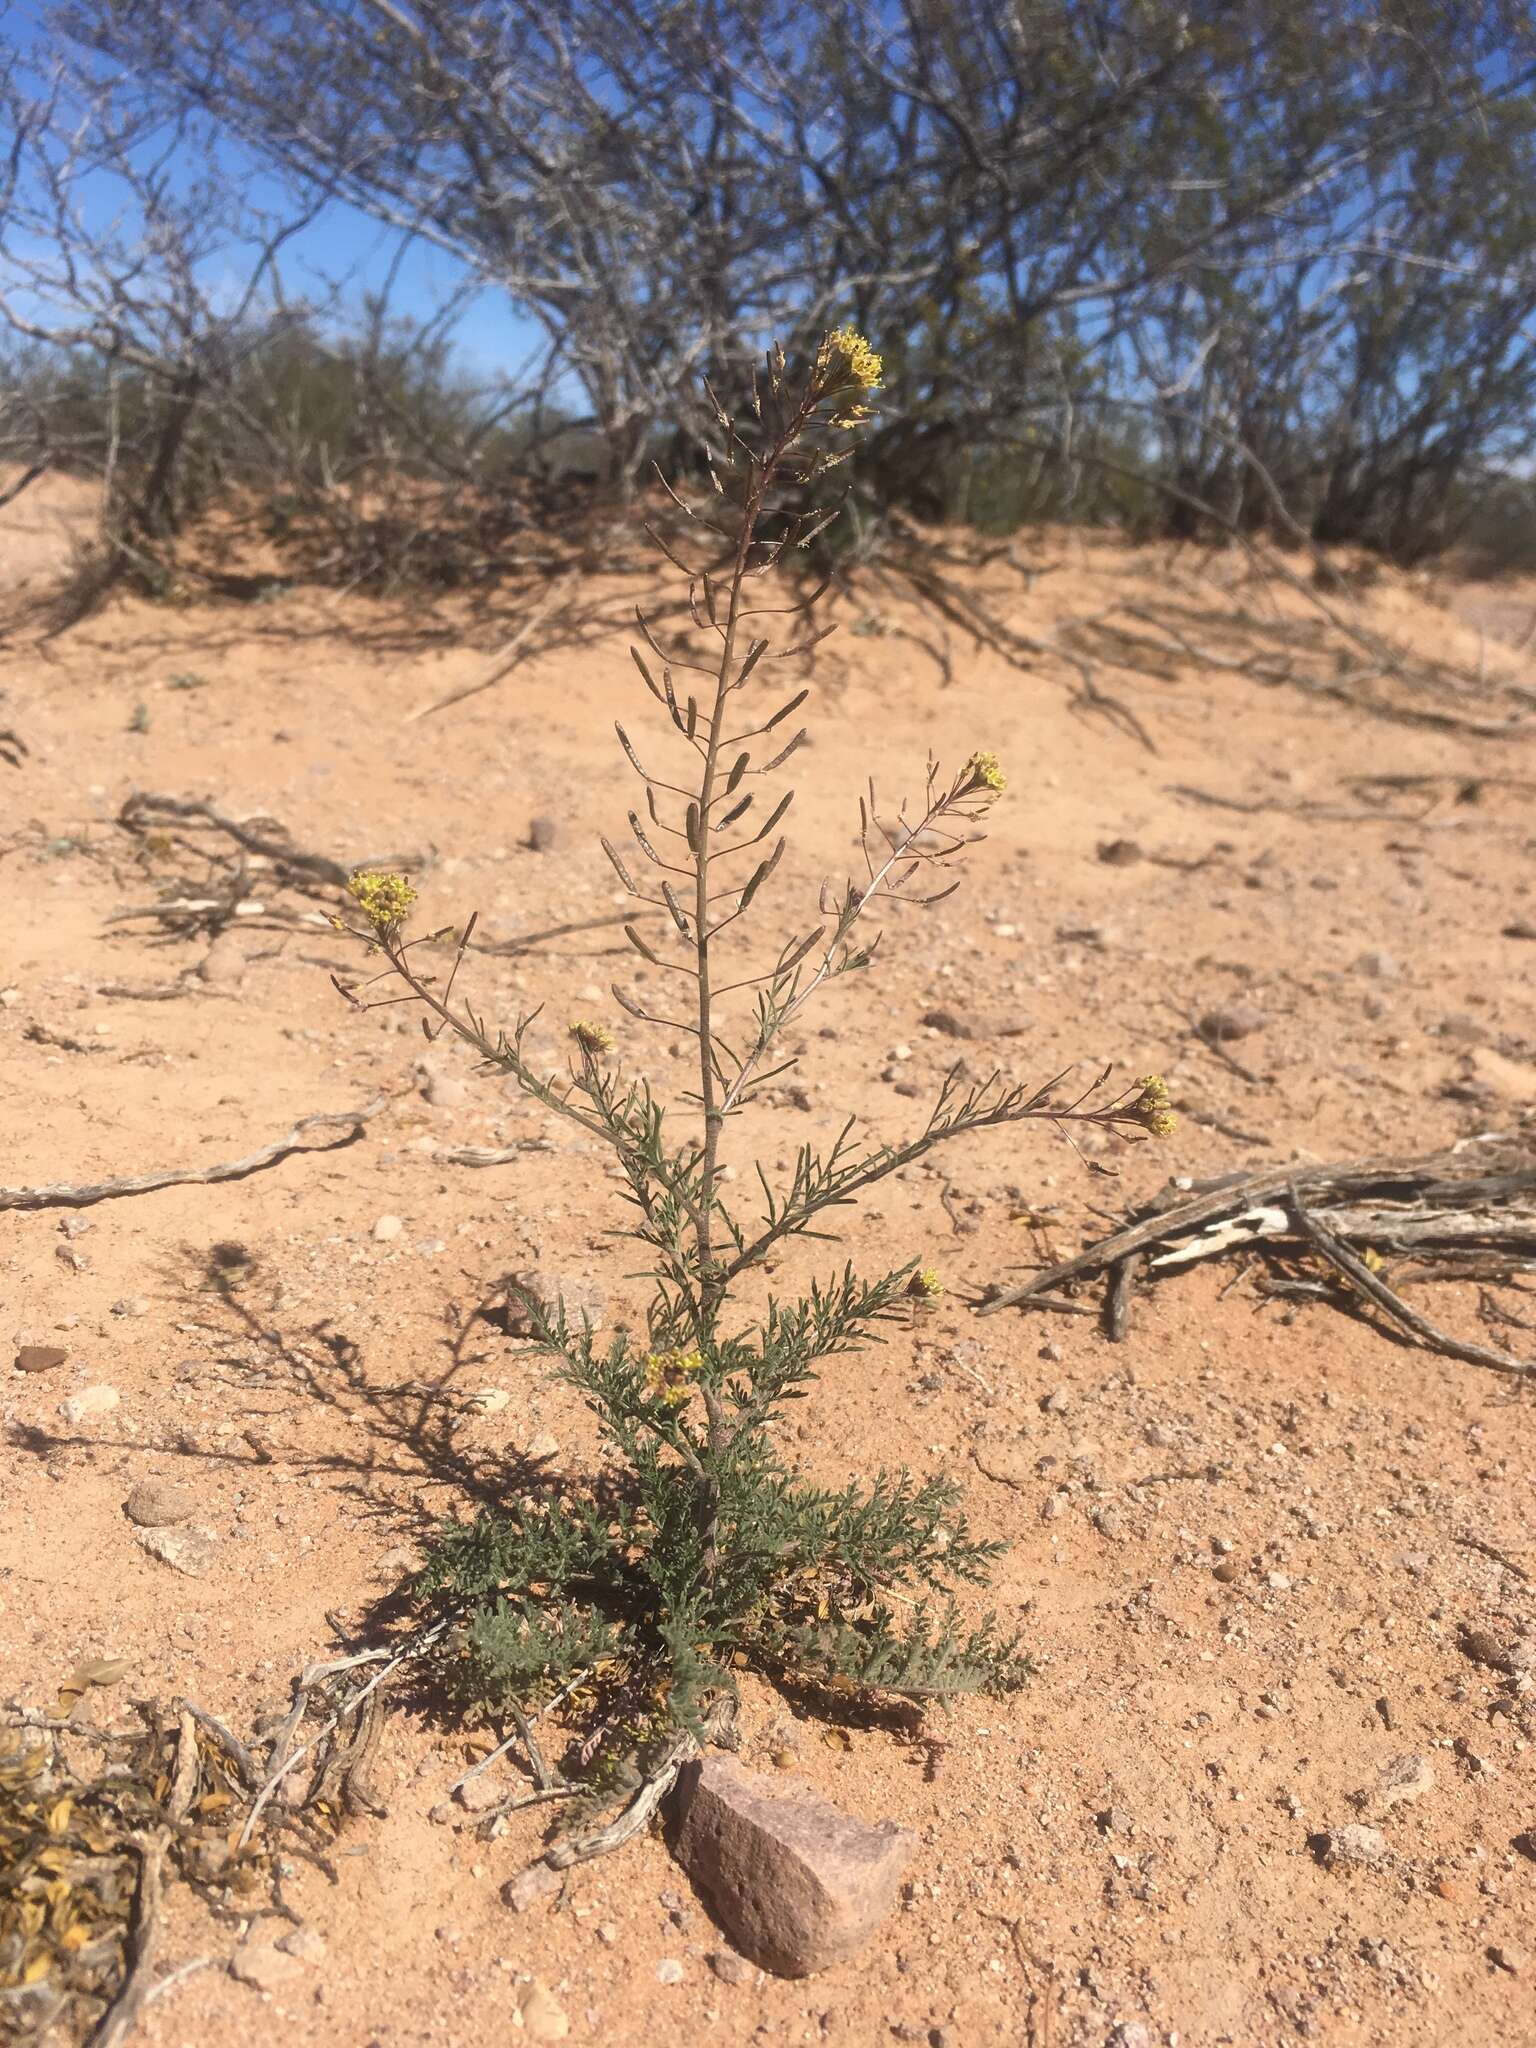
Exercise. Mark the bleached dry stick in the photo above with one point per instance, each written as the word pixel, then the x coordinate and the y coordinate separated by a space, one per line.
pixel 348 1124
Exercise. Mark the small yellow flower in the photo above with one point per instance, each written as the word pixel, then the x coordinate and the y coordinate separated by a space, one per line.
pixel 1150 1108
pixel 592 1037
pixel 384 899
pixel 669 1375
pixel 846 368
pixel 983 772
pixel 926 1285
pixel 846 354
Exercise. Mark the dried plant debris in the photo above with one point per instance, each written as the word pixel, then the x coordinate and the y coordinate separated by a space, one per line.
pixel 1344 1233
pixel 96 1822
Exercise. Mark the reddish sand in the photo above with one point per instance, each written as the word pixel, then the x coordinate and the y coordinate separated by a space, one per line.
pixel 1125 1844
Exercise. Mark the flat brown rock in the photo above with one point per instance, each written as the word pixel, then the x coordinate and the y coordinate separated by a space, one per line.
pixel 796 1883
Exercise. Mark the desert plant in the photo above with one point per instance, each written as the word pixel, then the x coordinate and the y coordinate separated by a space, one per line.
pixel 637 1602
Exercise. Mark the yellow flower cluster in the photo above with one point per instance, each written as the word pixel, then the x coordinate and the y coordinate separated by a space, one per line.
pixel 1151 1107
pixel 592 1037
pixel 669 1375
pixel 926 1285
pixel 983 772
pixel 385 900
pixel 847 367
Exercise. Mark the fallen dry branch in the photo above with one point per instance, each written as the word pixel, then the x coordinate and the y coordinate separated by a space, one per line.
pixel 348 1126
pixel 119 2020
pixel 146 812
pixel 1479 1198
pixel 1371 1284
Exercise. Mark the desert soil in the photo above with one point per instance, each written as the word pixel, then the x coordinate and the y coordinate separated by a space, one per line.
pixel 1123 1852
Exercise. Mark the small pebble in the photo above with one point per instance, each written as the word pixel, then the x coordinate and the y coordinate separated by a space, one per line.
pixel 1352 1846
pixel 305 1943
pixel 729 1967
pixel 1399 1780
pixel 131 1305
pixel 543 2015
pixel 1240 1020
pixel 669 1971
pixel 159 1503
pixel 261 1966
pixel 189 1551
pixel 40 1357
pixel 544 834
pixel 386 1228
pixel 529 1886
pixel 88 1402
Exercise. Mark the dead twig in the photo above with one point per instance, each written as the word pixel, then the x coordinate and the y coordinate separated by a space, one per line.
pixel 348 1125
pixel 144 811
pixel 1430 1198
pixel 117 2023
pixel 1386 1298
pixel 1122 1290
pixel 1498 1556
pixel 418 1647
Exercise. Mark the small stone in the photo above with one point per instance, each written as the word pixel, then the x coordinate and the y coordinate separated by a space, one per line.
pixel 1277 1582
pixel 386 1228
pixel 1484 1647
pixel 796 1883
pixel 264 1967
pixel 131 1305
pixel 729 1967
pixel 445 1091
pixel 1227 1570
pixel 1238 1020
pixel 490 1400
pixel 1109 1522
pixel 1131 2034
pixel 947 1024
pixel 608 1933
pixel 159 1503
pixel 480 1794
pixel 90 1401
pixel 227 960
pixel 305 1943
pixel 1399 1780
pixel 1120 853
pixel 542 1446
pixel 544 834
pixel 40 1357
pixel 669 1971
pixel 538 1881
pixel 1379 966
pixel 542 2014
pixel 189 1551
pixel 1055 1402
pixel 1352 1846
pixel 1503 1956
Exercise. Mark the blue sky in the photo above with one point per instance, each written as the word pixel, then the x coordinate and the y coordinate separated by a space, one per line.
pixel 342 248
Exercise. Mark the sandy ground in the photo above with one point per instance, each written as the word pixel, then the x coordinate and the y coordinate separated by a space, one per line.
pixel 1126 1844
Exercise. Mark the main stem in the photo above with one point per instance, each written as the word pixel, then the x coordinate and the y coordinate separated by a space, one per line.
pixel 712 1284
